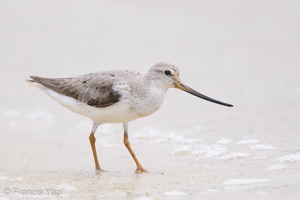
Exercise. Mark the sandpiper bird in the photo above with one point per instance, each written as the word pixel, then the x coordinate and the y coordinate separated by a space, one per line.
pixel 118 96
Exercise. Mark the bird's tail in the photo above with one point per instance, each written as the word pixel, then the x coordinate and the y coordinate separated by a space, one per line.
pixel 33 83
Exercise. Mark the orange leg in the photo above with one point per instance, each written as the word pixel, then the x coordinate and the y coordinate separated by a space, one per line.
pixel 92 141
pixel 140 168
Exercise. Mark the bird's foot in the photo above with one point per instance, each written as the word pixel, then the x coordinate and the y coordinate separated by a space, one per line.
pixel 100 171
pixel 141 170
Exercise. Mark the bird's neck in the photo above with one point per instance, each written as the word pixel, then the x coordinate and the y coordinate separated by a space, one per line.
pixel 154 83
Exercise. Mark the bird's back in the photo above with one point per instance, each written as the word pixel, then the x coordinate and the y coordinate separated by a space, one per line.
pixel 95 89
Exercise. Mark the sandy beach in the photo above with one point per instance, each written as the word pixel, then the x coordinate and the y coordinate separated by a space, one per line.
pixel 241 52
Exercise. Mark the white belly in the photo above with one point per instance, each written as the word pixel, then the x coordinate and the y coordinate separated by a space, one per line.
pixel 119 112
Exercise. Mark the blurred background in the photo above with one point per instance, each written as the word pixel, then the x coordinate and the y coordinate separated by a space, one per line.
pixel 241 52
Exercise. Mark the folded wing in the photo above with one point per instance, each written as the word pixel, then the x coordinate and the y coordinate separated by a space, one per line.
pixel 92 89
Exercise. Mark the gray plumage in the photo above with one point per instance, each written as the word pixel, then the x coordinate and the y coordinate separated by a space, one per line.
pixel 95 89
pixel 117 96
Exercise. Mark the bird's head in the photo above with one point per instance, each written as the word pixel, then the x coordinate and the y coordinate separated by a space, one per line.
pixel 166 76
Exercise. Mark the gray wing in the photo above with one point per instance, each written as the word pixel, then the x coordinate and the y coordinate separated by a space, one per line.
pixel 93 89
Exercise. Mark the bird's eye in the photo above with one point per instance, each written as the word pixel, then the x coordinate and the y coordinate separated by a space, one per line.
pixel 167 72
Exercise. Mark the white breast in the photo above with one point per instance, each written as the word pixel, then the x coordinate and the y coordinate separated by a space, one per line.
pixel 149 103
pixel 125 110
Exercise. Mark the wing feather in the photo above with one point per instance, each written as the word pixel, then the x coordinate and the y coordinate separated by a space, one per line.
pixel 94 89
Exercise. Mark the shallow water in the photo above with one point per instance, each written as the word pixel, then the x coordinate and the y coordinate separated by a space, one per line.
pixel 241 53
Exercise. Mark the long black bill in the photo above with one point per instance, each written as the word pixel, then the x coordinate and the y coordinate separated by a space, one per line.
pixel 186 88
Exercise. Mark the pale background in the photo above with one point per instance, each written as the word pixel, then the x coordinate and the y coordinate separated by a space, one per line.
pixel 241 52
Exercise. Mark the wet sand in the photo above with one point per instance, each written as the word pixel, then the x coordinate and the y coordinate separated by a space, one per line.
pixel 245 53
